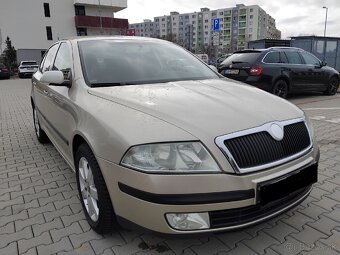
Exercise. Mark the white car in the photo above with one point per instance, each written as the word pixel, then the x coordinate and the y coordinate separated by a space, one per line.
pixel 27 68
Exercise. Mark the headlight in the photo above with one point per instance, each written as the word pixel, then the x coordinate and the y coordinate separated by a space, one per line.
pixel 170 157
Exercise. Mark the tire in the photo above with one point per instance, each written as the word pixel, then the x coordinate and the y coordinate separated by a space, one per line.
pixel 332 87
pixel 93 193
pixel 41 135
pixel 281 88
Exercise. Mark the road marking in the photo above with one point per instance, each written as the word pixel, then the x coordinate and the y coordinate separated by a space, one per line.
pixel 310 109
pixel 334 121
pixel 318 117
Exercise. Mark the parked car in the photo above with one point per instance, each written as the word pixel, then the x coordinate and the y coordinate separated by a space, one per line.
pixel 4 72
pixel 27 68
pixel 158 139
pixel 221 59
pixel 281 71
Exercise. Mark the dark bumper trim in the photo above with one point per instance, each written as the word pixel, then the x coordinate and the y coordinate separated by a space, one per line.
pixel 188 199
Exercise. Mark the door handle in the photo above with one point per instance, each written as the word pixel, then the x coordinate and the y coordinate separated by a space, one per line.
pixel 45 92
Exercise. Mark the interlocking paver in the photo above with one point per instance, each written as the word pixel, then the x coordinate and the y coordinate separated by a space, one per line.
pixel 298 220
pixel 213 246
pixel 20 216
pixel 40 228
pixel 333 241
pixel 280 231
pixel 109 241
pixel 78 240
pixel 42 209
pixel 308 235
pixel 57 234
pixel 21 207
pixel 38 219
pixel 10 249
pixel 63 245
pixel 57 213
pixel 261 242
pixel 240 249
pixel 26 244
pixel 7 229
pixel 6 239
pixel 180 247
pixel 85 249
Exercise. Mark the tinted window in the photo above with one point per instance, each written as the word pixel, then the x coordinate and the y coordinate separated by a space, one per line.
pixel 242 57
pixel 121 62
pixel 47 62
pixel 272 57
pixel 309 59
pixel 283 57
pixel 293 57
pixel 63 60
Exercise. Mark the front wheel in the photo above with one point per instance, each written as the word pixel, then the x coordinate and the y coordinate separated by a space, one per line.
pixel 333 86
pixel 41 135
pixel 93 193
pixel 280 88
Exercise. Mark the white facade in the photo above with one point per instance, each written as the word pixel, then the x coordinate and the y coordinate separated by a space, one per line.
pixel 26 23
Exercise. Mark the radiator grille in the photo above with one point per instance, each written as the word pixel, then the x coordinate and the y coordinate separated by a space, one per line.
pixel 261 148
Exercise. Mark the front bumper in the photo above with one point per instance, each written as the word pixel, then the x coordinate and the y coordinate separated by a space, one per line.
pixel 144 199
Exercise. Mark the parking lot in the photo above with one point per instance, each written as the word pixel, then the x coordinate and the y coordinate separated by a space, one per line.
pixel 40 212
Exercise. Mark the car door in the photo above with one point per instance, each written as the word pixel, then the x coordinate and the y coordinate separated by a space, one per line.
pixel 40 90
pixel 295 70
pixel 59 111
pixel 316 75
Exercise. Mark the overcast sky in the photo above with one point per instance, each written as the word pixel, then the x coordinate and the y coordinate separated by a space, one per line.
pixel 293 17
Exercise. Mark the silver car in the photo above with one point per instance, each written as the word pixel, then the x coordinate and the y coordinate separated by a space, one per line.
pixel 159 139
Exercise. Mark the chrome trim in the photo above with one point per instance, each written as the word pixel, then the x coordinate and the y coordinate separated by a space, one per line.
pixel 266 127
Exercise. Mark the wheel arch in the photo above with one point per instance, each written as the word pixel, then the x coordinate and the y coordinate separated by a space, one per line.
pixel 285 78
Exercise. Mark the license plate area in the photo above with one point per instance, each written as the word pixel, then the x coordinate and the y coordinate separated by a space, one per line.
pixel 232 71
pixel 284 185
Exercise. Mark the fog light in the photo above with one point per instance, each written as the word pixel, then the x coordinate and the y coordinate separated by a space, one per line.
pixel 188 221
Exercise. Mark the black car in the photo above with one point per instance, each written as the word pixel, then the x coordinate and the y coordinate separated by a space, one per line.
pixel 4 73
pixel 281 71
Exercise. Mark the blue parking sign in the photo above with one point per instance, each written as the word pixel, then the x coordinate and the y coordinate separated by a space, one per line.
pixel 216 25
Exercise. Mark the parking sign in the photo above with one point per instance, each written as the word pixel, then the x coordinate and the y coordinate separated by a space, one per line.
pixel 216 25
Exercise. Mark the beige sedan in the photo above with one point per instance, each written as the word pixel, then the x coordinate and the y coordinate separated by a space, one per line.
pixel 158 139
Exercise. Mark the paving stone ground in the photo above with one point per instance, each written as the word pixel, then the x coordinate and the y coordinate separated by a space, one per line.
pixel 40 212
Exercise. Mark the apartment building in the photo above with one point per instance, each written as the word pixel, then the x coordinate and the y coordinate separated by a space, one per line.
pixel 194 31
pixel 33 25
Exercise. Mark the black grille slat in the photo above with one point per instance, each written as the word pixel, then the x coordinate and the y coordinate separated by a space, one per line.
pixel 261 148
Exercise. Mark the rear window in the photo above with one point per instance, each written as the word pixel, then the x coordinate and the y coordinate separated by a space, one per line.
pixel 29 63
pixel 242 57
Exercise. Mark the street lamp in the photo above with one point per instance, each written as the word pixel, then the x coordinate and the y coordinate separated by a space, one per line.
pixel 324 33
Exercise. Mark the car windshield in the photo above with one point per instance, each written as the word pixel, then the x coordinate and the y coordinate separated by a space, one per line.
pixel 242 57
pixel 115 62
pixel 29 63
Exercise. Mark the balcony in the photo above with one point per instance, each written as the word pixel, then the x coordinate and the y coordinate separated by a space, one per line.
pixel 115 5
pixel 94 21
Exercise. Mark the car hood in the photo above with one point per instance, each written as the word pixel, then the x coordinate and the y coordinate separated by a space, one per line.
pixel 206 108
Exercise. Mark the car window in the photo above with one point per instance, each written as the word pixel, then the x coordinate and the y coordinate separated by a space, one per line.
pixel 283 57
pixel 242 57
pixel 49 58
pixel 293 57
pixel 63 60
pixel 310 59
pixel 272 57
pixel 124 62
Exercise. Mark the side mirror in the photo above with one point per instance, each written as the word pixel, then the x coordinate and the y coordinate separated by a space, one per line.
pixel 53 77
pixel 213 68
pixel 323 63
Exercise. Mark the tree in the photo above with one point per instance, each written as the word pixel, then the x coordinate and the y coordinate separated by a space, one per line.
pixel 10 54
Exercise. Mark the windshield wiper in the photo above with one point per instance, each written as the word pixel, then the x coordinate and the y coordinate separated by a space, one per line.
pixel 110 84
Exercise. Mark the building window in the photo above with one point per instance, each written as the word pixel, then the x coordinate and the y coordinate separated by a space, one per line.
pixel 79 10
pixel 47 10
pixel 49 33
pixel 251 10
pixel 81 31
pixel 251 16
